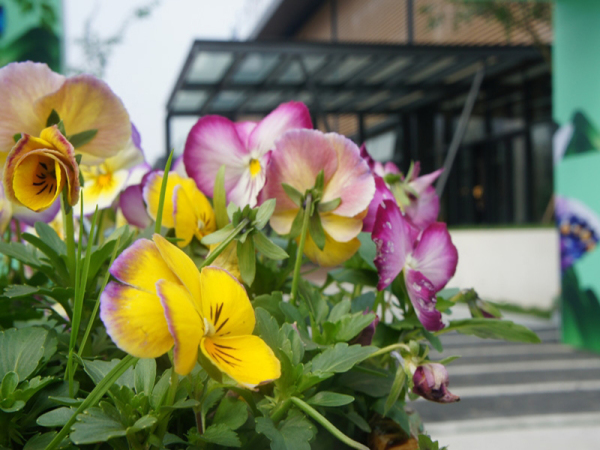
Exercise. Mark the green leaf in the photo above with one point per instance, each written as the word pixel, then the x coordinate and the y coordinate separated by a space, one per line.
pixel 9 384
pixel 231 412
pixel 339 310
pixel 163 192
pixel 160 389
pixel 358 420
pixel 364 277
pixel 220 199
pixel 50 237
pixel 53 118
pixel 217 236
pixel 142 423
pixel 264 213
pixel 41 441
pixel 21 350
pixel 20 290
pixel 493 329
pixel 247 260
pixel 97 370
pixel 55 418
pixel 270 303
pixel 367 249
pixel 341 358
pixel 268 328
pixel 268 248
pixel 293 194
pixel 367 383
pixel 320 181
pixel 61 127
pixel 20 252
pixel 17 137
pixel 221 434
pixel 297 224
pixel 396 413
pixel 448 360
pixel 425 443
pixel 399 381
pixel 443 305
pixel 315 228
pixel 94 425
pixel 145 376
pixel 80 139
pixel 293 433
pixel 433 340
pixel 209 367
pixel 78 158
pixel 363 302
pixel 330 399
pixel 330 205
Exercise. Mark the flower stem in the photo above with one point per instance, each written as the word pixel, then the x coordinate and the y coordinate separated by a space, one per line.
pixel 223 245
pixel 164 420
pixel 316 415
pixel 93 397
pixel 300 251
pixel 389 348
pixel 19 239
pixel 69 234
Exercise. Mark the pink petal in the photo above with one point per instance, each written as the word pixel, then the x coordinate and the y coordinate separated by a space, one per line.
pixel 29 217
pixel 420 184
pixel 390 168
pixel 423 211
pixel 381 193
pixel 352 181
pixel 435 256
pixel 298 158
pixel 246 191
pixel 422 296
pixel 212 143
pixel 244 129
pixel 394 238
pixel 133 208
pixel 287 116
pixel 21 84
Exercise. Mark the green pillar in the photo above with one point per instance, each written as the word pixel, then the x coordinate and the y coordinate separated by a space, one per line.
pixel 576 103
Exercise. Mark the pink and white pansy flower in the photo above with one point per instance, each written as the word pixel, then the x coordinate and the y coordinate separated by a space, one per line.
pixel 426 258
pixel 243 148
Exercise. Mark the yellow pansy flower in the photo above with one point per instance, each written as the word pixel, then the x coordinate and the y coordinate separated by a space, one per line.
pixel 37 169
pixel 162 301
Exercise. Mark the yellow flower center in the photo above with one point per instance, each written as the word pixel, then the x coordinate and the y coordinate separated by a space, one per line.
pixel 254 167
pixel 104 180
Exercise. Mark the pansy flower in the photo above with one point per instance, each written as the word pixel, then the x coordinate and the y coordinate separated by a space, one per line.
pixel 298 158
pixel 161 301
pixel 243 148
pixel 427 259
pixel 30 91
pixel 430 381
pixel 185 208
pixel 37 169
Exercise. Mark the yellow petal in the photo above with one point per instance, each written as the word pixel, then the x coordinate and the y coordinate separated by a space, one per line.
pixel 135 320
pixel 141 265
pixel 184 323
pixel 185 221
pixel 281 221
pixel 225 304
pixel 38 180
pixel 205 215
pixel 101 188
pixel 86 103
pixel 152 196
pixel 182 266
pixel 246 359
pixel 333 253
pixel 341 229
pixel 228 259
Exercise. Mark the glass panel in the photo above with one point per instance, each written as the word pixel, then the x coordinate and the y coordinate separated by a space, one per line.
pixel 346 69
pixel 334 101
pixel 189 100
pixel 266 100
pixel 209 67
pixel 254 68
pixel 227 100
pixel 292 74
pixel 313 62
pixel 394 66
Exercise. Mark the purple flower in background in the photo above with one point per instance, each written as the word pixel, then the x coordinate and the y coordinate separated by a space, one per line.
pixel 427 259
pixel 579 228
pixel 431 382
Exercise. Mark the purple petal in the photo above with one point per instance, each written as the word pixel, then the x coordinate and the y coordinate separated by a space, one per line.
pixel 424 210
pixel 435 256
pixel 285 117
pixel 394 238
pixel 420 184
pixel 390 168
pixel 212 143
pixel 431 382
pixel 244 129
pixel 133 208
pixel 179 167
pixel 422 296
pixel 136 138
pixel 30 217
pixel 381 193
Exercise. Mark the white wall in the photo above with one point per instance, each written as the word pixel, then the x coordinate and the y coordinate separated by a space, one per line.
pixel 516 265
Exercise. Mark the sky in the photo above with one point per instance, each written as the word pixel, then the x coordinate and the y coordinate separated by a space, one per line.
pixel 143 69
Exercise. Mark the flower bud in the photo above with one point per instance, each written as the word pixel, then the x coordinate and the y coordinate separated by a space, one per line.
pixel 431 382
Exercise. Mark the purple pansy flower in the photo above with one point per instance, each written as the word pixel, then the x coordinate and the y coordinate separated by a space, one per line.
pixel 431 382
pixel 243 148
pixel 427 259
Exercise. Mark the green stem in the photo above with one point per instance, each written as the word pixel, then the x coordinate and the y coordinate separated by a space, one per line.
pixel 90 324
pixel 280 410
pixel 21 268
pixel 163 191
pixel 93 397
pixel 316 415
pixel 164 421
pixel 389 348
pixel 300 252
pixel 69 234
pixel 223 245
